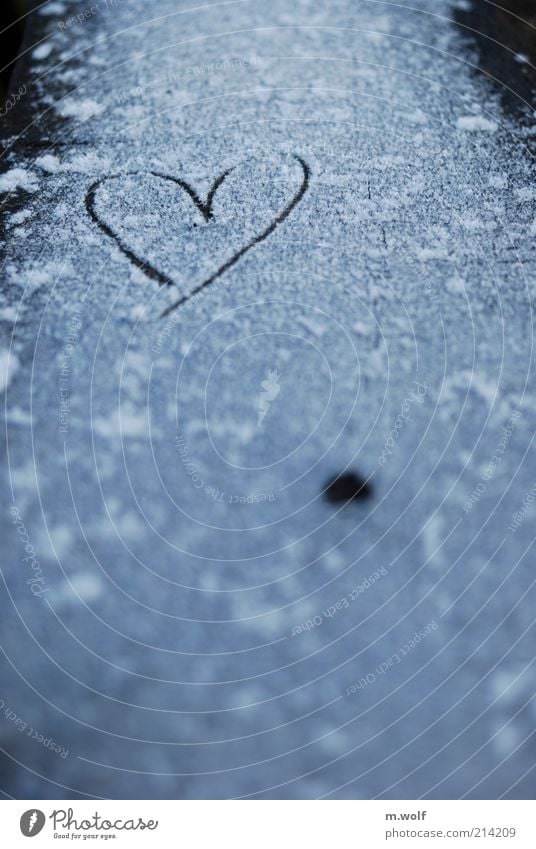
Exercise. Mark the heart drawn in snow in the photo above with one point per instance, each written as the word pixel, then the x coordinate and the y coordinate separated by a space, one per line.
pixel 99 199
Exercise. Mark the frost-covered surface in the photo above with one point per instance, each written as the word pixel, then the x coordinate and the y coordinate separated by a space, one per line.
pixel 182 609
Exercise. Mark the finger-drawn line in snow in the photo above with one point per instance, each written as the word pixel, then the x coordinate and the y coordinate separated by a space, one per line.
pixel 205 208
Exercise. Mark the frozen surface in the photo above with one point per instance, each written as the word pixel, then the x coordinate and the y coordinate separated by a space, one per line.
pixel 183 611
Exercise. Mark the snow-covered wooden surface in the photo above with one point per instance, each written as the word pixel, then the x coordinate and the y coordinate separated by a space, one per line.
pixel 247 247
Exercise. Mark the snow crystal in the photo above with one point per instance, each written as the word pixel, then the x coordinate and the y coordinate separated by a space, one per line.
pixel 130 525
pixel 432 534
pixel 16 415
pixel 86 163
pixel 417 117
pixel 20 217
pixel 129 424
pixel 81 109
pixel 526 193
pixel 88 587
pixel 244 432
pixel 476 123
pixel 313 326
pixel 62 539
pixel 42 51
pixel 8 314
pixel 48 162
pixel 37 278
pixel 9 364
pixel 487 389
pixel 18 178
pixel 53 8
pixel 498 181
pixel 334 561
pixel 511 684
pixel 506 739
pixel 363 329
pixel 455 285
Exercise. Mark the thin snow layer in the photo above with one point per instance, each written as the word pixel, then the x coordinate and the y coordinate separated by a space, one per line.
pixel 215 626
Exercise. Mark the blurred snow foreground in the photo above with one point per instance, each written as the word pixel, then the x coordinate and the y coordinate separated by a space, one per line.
pixel 183 611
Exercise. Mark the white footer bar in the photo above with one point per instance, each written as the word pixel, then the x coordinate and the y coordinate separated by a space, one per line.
pixel 270 824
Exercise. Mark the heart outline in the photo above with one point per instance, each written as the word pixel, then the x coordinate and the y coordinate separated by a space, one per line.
pixel 205 208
